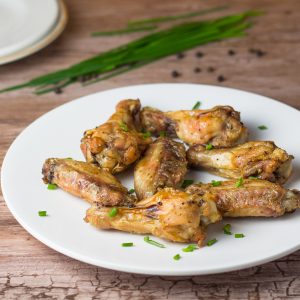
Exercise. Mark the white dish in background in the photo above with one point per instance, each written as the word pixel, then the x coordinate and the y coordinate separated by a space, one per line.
pixel 58 134
pixel 27 26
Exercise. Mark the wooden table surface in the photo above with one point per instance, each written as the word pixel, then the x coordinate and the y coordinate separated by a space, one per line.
pixel 29 269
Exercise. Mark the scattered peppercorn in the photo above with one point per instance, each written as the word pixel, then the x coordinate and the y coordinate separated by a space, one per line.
pixel 175 74
pixel 221 78
pixel 180 55
pixel 197 70
pixel 211 69
pixel 257 52
pixel 58 90
pixel 231 52
pixel 199 54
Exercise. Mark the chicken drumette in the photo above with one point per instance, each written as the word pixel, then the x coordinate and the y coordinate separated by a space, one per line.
pixel 170 214
pixel 249 198
pixel 219 126
pixel 262 159
pixel 86 181
pixel 117 143
pixel 163 165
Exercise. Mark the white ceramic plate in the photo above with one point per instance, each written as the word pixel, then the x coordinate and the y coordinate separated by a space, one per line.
pixel 57 134
pixel 24 22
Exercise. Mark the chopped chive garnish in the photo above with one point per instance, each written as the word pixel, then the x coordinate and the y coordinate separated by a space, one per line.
pixel 211 242
pixel 215 183
pixel 154 243
pixel 69 158
pixel 190 248
pixel 239 235
pixel 146 134
pixel 240 182
pixel 162 134
pixel 177 257
pixel 209 147
pixel 227 229
pixel 52 186
pixel 42 213
pixel 186 183
pixel 262 127
pixel 124 126
pixel 253 177
pixel 113 212
pixel 131 191
pixel 127 244
pixel 197 105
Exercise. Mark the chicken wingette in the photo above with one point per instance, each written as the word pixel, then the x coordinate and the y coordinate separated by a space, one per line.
pixel 86 181
pixel 259 158
pixel 170 214
pixel 220 126
pixel 116 144
pixel 248 197
pixel 163 165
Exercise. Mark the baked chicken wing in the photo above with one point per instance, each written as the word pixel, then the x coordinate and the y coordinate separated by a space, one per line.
pixel 170 214
pixel 163 165
pixel 261 159
pixel 219 126
pixel 86 181
pixel 117 143
pixel 250 198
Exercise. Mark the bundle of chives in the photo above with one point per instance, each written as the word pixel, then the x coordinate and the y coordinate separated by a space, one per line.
pixel 143 51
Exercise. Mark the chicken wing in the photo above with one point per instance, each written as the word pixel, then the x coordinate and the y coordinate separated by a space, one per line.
pixel 250 198
pixel 219 126
pixel 117 143
pixel 86 181
pixel 170 214
pixel 262 159
pixel 163 165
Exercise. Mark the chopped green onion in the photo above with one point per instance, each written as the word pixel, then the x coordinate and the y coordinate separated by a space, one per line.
pixel 240 182
pixel 239 235
pixel 190 248
pixel 125 30
pixel 197 105
pixel 127 244
pixel 253 177
pixel 154 243
pixel 42 213
pixel 146 134
pixel 162 133
pixel 211 242
pixel 70 158
pixel 113 212
pixel 177 257
pixel 52 186
pixel 209 147
pixel 131 191
pixel 216 183
pixel 124 126
pixel 186 183
pixel 227 229
pixel 262 127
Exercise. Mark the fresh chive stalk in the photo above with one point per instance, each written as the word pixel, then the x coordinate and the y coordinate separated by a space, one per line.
pixel 125 30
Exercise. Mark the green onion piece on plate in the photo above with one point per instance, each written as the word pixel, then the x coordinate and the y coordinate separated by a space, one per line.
pixel 262 127
pixel 154 243
pixel 52 186
pixel 42 213
pixel 209 147
pixel 113 212
pixel 197 105
pixel 131 191
pixel 215 183
pixel 227 229
pixel 239 235
pixel 211 242
pixel 190 248
pixel 177 257
pixel 127 244
pixel 186 183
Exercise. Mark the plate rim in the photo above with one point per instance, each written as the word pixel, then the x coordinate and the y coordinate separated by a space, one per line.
pixel 128 268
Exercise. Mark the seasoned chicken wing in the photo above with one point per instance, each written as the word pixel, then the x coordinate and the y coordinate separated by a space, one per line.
pixel 170 214
pixel 219 126
pixel 117 143
pixel 262 159
pixel 163 165
pixel 250 198
pixel 86 181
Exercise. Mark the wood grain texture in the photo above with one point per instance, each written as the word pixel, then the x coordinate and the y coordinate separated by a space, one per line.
pixel 28 269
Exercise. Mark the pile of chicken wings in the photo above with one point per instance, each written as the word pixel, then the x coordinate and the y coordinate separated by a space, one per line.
pixel 160 205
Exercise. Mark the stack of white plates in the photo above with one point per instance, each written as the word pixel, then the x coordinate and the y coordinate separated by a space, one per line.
pixel 27 26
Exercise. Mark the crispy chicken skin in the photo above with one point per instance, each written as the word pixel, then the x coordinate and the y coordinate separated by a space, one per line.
pixel 170 214
pixel 219 126
pixel 259 158
pixel 117 143
pixel 254 198
pixel 163 165
pixel 86 181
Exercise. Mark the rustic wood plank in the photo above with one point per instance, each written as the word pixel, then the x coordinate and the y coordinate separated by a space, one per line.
pixel 29 269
